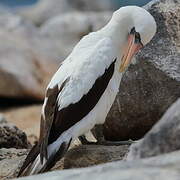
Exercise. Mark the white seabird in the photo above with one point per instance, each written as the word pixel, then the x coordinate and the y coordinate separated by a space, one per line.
pixel 81 92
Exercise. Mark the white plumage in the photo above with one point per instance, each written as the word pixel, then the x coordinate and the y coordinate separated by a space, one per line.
pixel 83 70
pixel 90 60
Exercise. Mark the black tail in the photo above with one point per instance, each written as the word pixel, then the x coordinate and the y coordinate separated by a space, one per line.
pixel 57 156
pixel 29 159
pixel 29 165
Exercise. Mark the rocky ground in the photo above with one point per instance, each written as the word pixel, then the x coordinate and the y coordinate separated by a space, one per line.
pixel 153 157
pixel 35 40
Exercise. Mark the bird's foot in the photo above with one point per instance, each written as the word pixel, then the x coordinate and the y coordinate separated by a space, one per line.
pixel 84 141
pixel 115 143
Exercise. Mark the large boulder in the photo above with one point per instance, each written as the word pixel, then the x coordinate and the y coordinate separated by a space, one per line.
pixel 164 167
pixel 24 68
pixel 42 11
pixel 162 138
pixel 150 86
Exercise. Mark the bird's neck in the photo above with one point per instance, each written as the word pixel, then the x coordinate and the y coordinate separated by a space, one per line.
pixel 118 30
pixel 118 33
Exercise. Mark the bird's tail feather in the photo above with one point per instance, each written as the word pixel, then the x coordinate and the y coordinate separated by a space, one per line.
pixel 33 165
pixel 29 159
pixel 56 156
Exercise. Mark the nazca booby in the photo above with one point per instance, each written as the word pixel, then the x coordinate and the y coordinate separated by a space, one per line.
pixel 81 92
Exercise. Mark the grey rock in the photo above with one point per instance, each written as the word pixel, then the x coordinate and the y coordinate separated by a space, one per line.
pixel 38 52
pixel 22 43
pixel 152 84
pixel 161 167
pixel 16 24
pixel 42 11
pixel 12 137
pixel 10 162
pixel 81 156
pixel 162 138
pixel 93 5
pixel 89 155
pixel 59 32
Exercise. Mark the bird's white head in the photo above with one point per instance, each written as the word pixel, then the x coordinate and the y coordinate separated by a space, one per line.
pixel 136 27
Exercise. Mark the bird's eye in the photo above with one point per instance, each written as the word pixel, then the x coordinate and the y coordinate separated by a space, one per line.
pixel 137 37
pixel 133 30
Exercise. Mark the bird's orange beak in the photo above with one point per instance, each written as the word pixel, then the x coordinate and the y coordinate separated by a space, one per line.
pixel 130 50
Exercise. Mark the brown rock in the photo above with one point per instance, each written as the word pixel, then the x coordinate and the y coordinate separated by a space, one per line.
pixel 12 137
pixel 26 118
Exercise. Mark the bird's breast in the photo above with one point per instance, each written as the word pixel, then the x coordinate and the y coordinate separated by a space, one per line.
pixel 108 98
